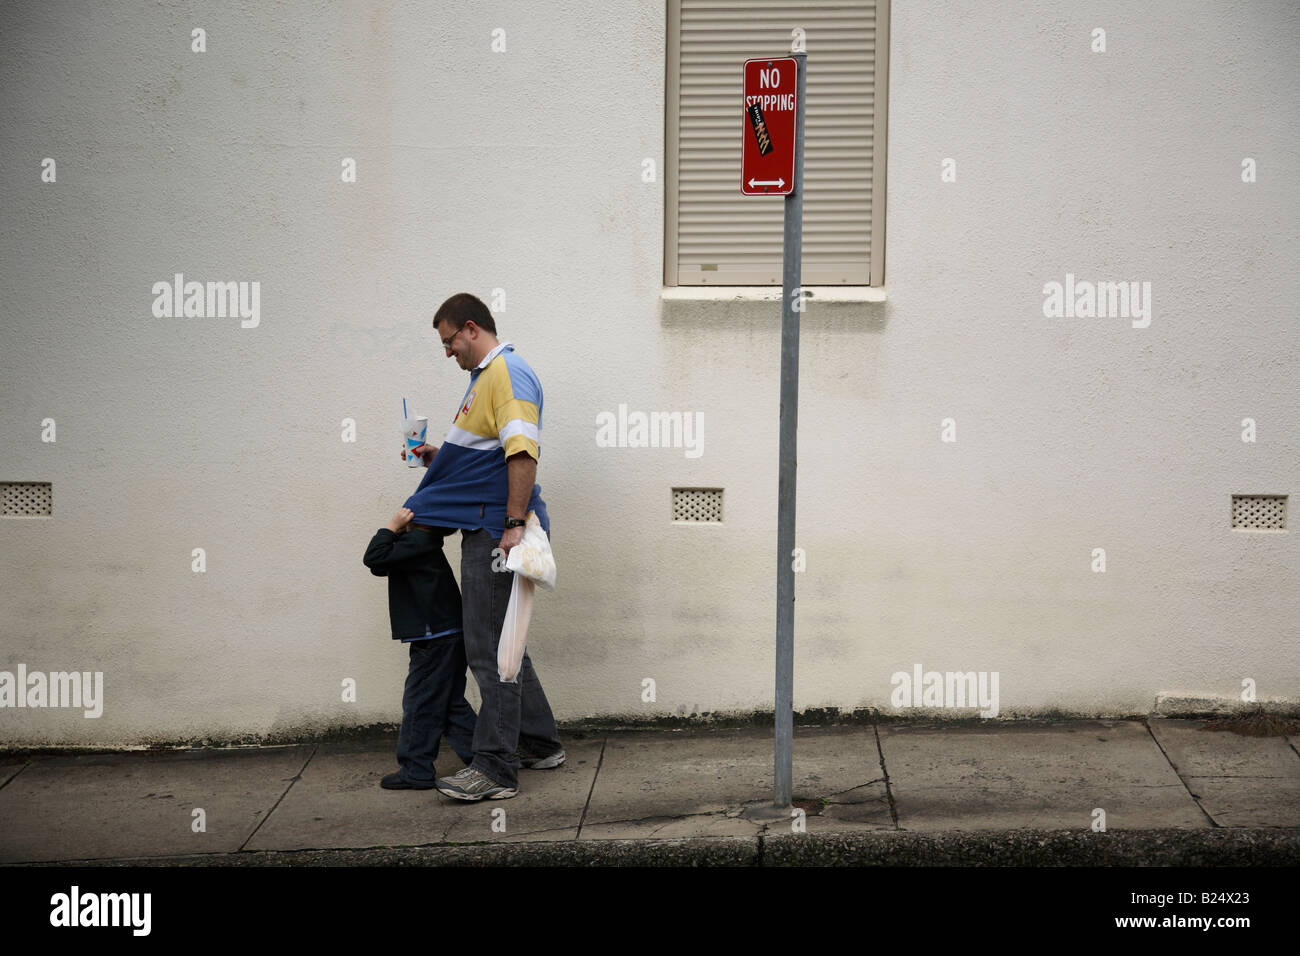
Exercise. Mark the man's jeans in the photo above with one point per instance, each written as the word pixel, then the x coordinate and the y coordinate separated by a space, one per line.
pixel 511 715
pixel 433 704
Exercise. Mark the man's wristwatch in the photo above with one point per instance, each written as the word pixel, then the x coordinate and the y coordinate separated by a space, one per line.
pixel 515 523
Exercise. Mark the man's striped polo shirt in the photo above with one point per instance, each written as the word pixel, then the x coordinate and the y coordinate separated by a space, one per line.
pixel 500 415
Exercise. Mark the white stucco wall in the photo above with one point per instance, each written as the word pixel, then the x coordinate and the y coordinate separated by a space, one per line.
pixel 522 171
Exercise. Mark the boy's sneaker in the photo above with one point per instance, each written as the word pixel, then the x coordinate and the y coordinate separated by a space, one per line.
pixel 395 781
pixel 471 784
pixel 542 763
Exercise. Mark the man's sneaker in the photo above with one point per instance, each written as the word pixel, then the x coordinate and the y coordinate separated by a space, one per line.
pixel 395 781
pixel 542 763
pixel 471 784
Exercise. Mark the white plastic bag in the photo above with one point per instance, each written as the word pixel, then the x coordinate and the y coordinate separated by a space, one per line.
pixel 532 563
pixel 514 632
pixel 532 557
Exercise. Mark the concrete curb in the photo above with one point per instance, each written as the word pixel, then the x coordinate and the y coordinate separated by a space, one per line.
pixel 985 848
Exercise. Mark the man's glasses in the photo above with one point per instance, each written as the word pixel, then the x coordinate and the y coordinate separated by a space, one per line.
pixel 446 343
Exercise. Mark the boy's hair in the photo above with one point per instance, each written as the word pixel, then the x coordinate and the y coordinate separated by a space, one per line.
pixel 461 308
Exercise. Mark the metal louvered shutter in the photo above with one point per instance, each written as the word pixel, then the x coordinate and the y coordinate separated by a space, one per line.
pixel 715 236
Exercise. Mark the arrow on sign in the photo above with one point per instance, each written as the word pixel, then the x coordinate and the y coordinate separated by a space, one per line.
pixel 778 183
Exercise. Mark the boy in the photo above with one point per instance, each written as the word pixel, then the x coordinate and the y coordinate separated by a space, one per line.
pixel 424 610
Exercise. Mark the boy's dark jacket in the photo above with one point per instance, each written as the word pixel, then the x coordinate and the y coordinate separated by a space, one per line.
pixel 421 589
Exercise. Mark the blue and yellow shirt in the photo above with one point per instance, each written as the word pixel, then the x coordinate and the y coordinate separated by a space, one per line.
pixel 500 415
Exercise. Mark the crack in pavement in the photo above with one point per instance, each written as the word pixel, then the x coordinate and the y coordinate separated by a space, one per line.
pixel 841 793
pixel 15 774
pixel 292 780
pixel 889 790
pixel 669 819
pixel 594 777
pixel 1147 724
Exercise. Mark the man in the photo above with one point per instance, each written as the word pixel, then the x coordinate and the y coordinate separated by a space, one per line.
pixel 482 481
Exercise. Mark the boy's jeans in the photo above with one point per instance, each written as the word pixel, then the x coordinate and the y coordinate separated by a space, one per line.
pixel 511 716
pixel 433 704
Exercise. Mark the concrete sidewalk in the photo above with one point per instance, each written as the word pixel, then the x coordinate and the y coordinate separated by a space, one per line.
pixel 892 794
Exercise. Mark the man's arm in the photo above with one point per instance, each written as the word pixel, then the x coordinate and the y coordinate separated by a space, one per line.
pixel 521 471
pixel 517 414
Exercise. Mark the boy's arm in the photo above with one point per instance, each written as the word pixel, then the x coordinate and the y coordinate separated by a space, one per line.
pixel 388 548
pixel 391 545
pixel 379 552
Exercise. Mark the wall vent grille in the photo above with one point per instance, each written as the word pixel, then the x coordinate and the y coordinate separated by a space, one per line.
pixel 697 505
pixel 25 499
pixel 1259 512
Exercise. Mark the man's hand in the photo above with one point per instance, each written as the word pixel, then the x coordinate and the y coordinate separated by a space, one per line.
pixel 400 520
pixel 425 451
pixel 512 537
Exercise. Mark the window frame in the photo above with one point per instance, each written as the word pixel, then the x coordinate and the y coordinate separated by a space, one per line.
pixel 672 130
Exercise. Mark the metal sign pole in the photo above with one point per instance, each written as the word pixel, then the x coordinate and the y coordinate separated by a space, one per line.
pixel 791 306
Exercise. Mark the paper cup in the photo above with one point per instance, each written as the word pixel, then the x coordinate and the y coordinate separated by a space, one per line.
pixel 414 431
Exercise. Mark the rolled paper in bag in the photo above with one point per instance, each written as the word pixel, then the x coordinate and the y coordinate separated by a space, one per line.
pixel 514 632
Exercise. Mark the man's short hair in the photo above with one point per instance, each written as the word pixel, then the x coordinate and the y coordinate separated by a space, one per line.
pixel 461 308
